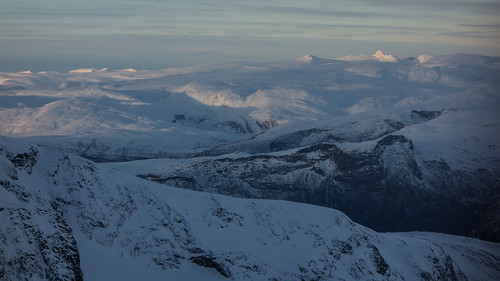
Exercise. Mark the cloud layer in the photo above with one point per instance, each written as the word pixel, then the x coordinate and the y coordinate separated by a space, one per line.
pixel 444 26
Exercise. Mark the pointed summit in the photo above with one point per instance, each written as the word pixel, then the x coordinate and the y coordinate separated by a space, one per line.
pixel 380 56
pixel 424 58
pixel 308 58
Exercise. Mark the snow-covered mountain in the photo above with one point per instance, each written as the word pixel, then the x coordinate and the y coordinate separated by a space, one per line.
pixel 66 218
pixel 397 144
pixel 384 186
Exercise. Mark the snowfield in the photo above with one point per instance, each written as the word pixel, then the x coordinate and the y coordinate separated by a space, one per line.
pixel 167 174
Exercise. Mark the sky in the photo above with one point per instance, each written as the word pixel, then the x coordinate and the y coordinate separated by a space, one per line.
pixel 60 35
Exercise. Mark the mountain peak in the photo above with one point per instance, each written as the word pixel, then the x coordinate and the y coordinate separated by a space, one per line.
pixel 308 58
pixel 424 58
pixel 379 55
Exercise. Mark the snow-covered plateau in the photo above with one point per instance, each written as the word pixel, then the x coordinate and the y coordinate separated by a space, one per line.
pixel 378 167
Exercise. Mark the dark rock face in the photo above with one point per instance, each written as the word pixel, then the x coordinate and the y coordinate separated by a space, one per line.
pixel 35 243
pixel 266 124
pixel 25 160
pixel 383 188
pixel 379 261
pixel 211 262
pixel 43 243
pixel 425 115
pixel 238 126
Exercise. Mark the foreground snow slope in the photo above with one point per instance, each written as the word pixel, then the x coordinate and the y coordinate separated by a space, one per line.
pixel 65 218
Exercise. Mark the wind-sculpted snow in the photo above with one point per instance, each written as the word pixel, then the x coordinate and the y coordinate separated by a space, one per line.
pixel 64 217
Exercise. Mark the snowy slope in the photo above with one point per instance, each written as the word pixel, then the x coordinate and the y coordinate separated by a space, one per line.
pixel 366 134
pixel 64 217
